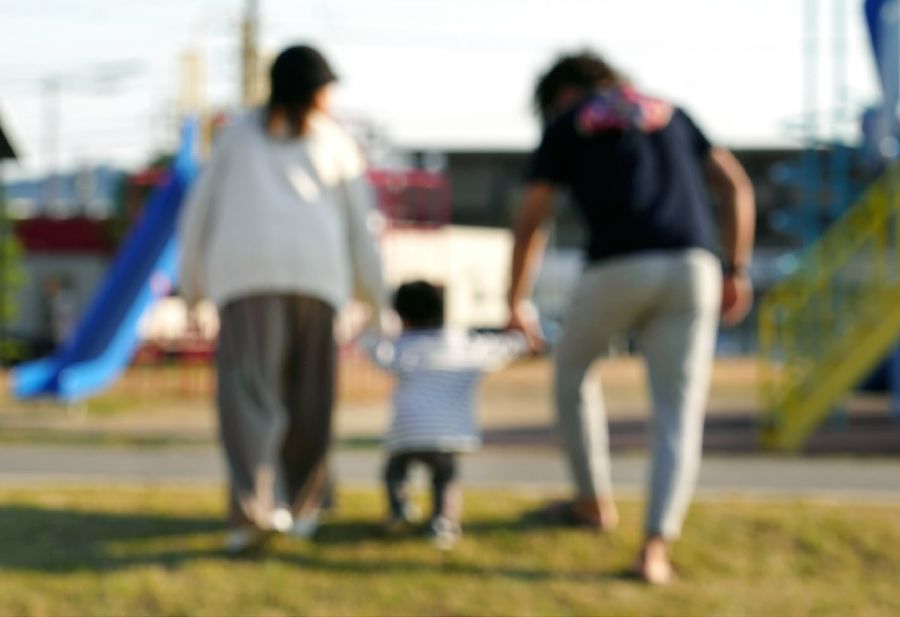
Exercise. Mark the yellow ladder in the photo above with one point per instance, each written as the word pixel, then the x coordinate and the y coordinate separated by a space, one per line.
pixel 826 326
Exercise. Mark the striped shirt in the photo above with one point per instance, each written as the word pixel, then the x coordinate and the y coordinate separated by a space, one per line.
pixel 437 372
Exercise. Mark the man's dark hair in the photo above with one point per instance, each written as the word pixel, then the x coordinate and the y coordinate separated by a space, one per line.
pixel 419 304
pixel 585 70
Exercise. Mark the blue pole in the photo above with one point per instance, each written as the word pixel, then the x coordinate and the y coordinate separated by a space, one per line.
pixel 883 21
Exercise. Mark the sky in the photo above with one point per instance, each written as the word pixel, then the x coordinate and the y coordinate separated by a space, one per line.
pixel 436 74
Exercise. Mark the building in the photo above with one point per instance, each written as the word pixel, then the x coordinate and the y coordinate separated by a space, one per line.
pixel 63 260
pixel 486 184
pixel 91 191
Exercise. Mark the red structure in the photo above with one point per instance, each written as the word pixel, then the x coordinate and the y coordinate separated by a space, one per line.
pixel 412 198
pixel 44 234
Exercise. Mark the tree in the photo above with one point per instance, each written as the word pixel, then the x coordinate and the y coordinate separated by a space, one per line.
pixel 11 280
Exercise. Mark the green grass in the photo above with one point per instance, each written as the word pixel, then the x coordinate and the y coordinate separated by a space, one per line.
pixel 152 551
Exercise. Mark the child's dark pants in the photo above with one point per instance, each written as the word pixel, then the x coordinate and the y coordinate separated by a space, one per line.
pixel 442 466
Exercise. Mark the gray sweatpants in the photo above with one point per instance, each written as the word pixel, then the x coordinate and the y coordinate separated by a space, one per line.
pixel 669 300
pixel 276 387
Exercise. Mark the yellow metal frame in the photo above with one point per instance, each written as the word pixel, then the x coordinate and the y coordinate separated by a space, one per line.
pixel 823 328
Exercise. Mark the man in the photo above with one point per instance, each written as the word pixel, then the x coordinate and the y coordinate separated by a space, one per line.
pixel 636 168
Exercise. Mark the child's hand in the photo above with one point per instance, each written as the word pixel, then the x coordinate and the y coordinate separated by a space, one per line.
pixel 385 322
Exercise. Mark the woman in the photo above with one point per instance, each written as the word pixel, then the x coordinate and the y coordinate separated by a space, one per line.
pixel 278 232
pixel 636 168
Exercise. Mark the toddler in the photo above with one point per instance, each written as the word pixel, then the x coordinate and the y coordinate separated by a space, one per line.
pixel 437 371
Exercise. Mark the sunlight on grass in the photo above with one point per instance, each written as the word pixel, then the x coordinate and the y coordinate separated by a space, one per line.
pixel 151 551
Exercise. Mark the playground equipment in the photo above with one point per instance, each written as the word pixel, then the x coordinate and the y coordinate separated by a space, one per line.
pixel 828 324
pixel 144 270
pixel 823 329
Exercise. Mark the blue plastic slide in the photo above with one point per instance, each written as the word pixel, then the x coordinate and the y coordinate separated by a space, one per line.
pixel 144 270
pixel 882 20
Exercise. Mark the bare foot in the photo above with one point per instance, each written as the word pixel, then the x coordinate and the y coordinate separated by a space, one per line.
pixel 653 565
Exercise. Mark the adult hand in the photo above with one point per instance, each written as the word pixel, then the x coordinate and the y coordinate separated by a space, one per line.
pixel 737 298
pixel 524 318
pixel 386 322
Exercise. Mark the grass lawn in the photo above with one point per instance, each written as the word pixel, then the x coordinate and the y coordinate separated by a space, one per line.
pixel 151 551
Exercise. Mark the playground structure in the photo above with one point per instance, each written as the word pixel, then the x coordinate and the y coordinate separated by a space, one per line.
pixel 830 322
pixel 824 328
pixel 107 336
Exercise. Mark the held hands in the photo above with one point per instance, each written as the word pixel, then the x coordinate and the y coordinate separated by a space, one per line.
pixel 379 323
pixel 385 322
pixel 524 318
pixel 737 298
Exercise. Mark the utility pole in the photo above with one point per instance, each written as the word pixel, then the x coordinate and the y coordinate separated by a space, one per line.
pixel 249 54
pixel 192 96
pixel 51 121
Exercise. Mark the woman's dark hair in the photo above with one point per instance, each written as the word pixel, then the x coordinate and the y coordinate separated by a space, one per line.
pixel 419 304
pixel 296 75
pixel 584 70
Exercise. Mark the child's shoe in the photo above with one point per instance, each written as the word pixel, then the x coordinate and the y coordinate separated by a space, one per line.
pixel 304 527
pixel 243 540
pixel 250 538
pixel 403 522
pixel 444 533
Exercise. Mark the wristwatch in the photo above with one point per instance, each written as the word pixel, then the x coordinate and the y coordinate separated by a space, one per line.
pixel 734 269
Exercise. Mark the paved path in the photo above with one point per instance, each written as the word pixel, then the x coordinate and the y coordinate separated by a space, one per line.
pixel 541 470
pixel 866 432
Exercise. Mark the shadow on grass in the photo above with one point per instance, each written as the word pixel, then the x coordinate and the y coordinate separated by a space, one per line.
pixel 452 565
pixel 347 532
pixel 363 530
pixel 60 541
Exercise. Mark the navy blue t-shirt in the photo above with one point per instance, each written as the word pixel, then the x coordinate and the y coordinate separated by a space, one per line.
pixel 637 186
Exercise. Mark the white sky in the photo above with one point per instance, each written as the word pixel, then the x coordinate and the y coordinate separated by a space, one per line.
pixel 437 73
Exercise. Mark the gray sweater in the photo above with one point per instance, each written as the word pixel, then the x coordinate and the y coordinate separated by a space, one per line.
pixel 294 216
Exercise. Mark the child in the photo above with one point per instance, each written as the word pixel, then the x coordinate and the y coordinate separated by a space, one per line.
pixel 437 370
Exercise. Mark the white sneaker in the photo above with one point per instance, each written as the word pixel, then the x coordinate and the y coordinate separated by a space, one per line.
pixel 444 533
pixel 243 539
pixel 304 527
pixel 281 520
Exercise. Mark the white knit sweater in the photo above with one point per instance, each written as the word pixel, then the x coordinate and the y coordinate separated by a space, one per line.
pixel 281 217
